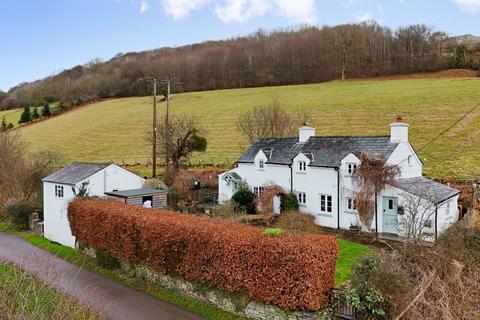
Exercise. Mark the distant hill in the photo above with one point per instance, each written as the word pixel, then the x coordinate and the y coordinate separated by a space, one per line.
pixel 264 58
pixel 468 40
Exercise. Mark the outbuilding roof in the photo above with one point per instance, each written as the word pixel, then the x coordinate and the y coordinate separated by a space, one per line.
pixel 135 192
pixel 75 173
pixel 426 189
pixel 327 151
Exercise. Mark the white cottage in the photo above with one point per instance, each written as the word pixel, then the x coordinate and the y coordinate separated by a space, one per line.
pixel 62 186
pixel 319 171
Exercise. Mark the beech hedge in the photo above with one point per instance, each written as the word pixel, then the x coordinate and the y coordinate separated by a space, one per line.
pixel 292 271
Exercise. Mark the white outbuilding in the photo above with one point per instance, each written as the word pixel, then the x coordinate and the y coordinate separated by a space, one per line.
pixel 62 186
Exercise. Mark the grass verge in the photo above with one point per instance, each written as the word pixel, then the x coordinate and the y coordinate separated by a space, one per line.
pixel 24 297
pixel 71 255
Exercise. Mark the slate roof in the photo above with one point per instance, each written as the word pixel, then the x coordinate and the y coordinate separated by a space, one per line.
pixel 426 189
pixel 326 151
pixel 136 192
pixel 233 175
pixel 75 173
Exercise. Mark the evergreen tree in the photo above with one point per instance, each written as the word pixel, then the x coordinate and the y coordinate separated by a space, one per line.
pixel 4 126
pixel 26 115
pixel 35 114
pixel 46 110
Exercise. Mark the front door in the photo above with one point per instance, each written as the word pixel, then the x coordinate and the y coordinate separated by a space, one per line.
pixel 390 215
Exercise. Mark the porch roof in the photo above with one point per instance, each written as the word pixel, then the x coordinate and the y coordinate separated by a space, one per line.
pixel 427 189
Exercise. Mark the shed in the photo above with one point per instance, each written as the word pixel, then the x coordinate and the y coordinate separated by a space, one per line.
pixel 157 197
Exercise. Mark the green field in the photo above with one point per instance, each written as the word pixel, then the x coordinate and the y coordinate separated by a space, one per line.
pixel 117 129
pixel 11 116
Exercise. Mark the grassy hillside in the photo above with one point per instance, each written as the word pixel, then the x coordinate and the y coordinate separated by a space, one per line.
pixel 116 129
pixel 11 116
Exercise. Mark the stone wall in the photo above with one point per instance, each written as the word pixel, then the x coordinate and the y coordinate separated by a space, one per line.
pixel 232 302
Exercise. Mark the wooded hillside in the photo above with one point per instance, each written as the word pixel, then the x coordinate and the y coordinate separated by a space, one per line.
pixel 294 56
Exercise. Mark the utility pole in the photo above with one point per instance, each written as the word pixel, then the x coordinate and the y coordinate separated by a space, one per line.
pixel 154 130
pixel 155 80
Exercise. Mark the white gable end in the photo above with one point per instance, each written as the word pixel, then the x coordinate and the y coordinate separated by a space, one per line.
pixel 407 160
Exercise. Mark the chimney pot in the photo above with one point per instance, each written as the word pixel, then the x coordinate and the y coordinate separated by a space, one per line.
pixel 399 119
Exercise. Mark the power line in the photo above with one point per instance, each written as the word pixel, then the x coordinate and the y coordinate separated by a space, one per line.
pixel 450 127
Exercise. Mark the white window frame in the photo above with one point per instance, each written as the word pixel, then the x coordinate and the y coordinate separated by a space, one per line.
pixel 351 204
pixel 302 166
pixel 302 198
pixel 324 207
pixel 351 168
pixel 258 190
pixel 261 164
pixel 59 191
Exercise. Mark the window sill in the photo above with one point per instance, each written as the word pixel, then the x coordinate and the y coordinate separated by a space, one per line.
pixel 301 172
pixel 324 214
pixel 302 205
pixel 350 212
pixel 260 169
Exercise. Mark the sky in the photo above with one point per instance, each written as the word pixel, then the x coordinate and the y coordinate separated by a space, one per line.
pixel 39 38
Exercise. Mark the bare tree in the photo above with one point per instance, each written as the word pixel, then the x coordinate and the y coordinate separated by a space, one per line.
pixel 20 173
pixel 180 138
pixel 417 216
pixel 270 121
pixel 371 177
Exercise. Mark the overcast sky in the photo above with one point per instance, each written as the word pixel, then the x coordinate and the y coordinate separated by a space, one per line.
pixel 42 37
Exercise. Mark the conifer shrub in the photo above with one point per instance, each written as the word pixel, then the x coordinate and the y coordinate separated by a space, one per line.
pixel 291 271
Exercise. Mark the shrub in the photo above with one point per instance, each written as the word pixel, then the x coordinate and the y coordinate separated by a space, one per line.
pixel 290 202
pixel 297 221
pixel 272 232
pixel 244 200
pixel 19 212
pixel 291 271
pixel 363 296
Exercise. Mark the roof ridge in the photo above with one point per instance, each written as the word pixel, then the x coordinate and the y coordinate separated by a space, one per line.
pixel 338 136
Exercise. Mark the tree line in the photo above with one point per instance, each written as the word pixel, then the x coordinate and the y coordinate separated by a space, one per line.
pixel 299 55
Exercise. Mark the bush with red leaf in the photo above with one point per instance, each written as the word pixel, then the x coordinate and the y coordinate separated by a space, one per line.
pixel 291 271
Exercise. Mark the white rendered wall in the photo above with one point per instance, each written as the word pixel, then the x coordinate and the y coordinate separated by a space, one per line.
pixel 56 223
pixel 400 157
pixel 56 227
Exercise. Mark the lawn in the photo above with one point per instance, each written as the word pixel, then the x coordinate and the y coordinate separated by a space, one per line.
pixel 349 252
pixel 116 130
pixel 23 297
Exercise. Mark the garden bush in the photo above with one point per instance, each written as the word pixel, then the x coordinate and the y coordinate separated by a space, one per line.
pixel 291 271
pixel 244 200
pixel 19 212
pixel 289 202
pixel 298 221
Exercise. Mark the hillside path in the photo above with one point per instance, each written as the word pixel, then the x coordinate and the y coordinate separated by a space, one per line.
pixel 109 298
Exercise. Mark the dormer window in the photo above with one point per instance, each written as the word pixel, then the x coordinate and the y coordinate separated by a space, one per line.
pixel 352 167
pixel 302 166
pixel 261 164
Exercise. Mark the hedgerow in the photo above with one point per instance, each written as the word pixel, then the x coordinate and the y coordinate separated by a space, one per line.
pixel 291 271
